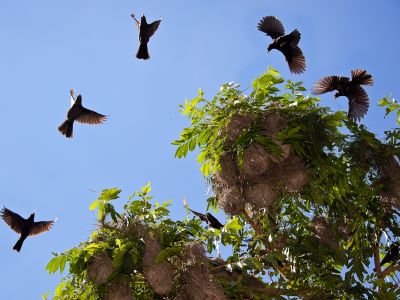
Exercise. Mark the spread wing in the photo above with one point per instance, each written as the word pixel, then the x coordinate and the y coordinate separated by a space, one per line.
pixel 200 215
pixel 12 219
pixel 295 58
pixel 213 221
pixel 271 26
pixel 328 84
pixel 358 103
pixel 90 117
pixel 40 227
pixel 153 27
pixel 361 77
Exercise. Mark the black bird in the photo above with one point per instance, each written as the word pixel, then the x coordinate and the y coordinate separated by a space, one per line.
pixel 209 219
pixel 80 114
pixel 287 44
pixel 25 227
pixel 392 255
pixel 145 33
pixel 351 88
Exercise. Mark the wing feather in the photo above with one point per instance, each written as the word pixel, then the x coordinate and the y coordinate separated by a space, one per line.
pixel 271 26
pixel 12 219
pixel 90 117
pixel 40 227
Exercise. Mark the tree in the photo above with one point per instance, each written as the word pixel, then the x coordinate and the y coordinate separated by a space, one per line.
pixel 309 193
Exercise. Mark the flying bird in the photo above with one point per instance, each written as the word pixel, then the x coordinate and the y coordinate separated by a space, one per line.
pixel 209 219
pixel 145 33
pixel 25 227
pixel 392 255
pixel 80 114
pixel 351 88
pixel 287 44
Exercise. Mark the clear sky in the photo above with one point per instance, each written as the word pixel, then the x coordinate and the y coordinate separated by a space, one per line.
pixel 48 47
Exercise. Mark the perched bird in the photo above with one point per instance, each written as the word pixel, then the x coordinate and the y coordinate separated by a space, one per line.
pixel 209 219
pixel 25 227
pixel 351 88
pixel 145 33
pixel 80 114
pixel 392 255
pixel 287 44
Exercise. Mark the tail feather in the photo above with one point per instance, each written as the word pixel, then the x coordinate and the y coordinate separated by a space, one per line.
pixel 143 52
pixel 18 244
pixel 361 77
pixel 66 128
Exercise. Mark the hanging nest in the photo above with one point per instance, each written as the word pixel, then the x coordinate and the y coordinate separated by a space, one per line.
pixel 390 173
pixel 271 123
pixel 237 124
pixel 292 174
pixel 261 195
pixel 119 289
pixel 229 197
pixel 286 148
pixel 99 269
pixel 229 172
pixel 198 283
pixel 324 233
pixel 255 162
pixel 160 276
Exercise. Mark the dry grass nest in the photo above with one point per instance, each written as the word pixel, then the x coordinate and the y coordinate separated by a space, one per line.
pixel 198 283
pixel 119 289
pixel 160 276
pixel 99 269
pixel 236 125
pixel 390 173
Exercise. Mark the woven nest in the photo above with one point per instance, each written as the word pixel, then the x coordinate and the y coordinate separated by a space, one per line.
pixel 160 276
pixel 271 123
pixel 198 283
pixel 255 162
pixel 286 148
pixel 99 269
pixel 119 289
pixel 229 172
pixel 390 173
pixel 292 174
pixel 229 197
pixel 237 124
pixel 323 231
pixel 261 195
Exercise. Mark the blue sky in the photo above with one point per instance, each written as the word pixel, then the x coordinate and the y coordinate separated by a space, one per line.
pixel 49 47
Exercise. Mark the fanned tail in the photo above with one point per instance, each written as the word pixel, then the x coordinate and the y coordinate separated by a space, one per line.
pixel 143 52
pixel 66 128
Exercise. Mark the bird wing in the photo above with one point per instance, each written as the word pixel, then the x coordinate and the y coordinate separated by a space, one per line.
pixel 90 117
pixel 328 84
pixel 136 21
pixel 213 221
pixel 358 103
pixel 40 227
pixel 295 58
pixel 271 26
pixel 200 215
pixel 153 27
pixel 12 219
pixel 361 77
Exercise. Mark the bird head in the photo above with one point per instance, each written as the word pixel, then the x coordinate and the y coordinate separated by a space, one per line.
pixel 270 47
pixel 337 95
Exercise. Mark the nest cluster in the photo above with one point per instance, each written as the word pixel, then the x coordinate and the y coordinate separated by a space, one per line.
pixel 261 178
pixel 188 276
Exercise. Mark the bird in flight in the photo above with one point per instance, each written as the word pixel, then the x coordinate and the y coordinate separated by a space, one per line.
pixel 351 88
pixel 392 255
pixel 25 227
pixel 287 44
pixel 145 33
pixel 209 219
pixel 80 114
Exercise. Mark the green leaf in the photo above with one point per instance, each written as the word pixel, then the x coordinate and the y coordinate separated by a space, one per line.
pixel 168 252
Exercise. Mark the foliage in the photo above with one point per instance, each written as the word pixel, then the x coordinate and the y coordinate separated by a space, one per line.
pixel 347 168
